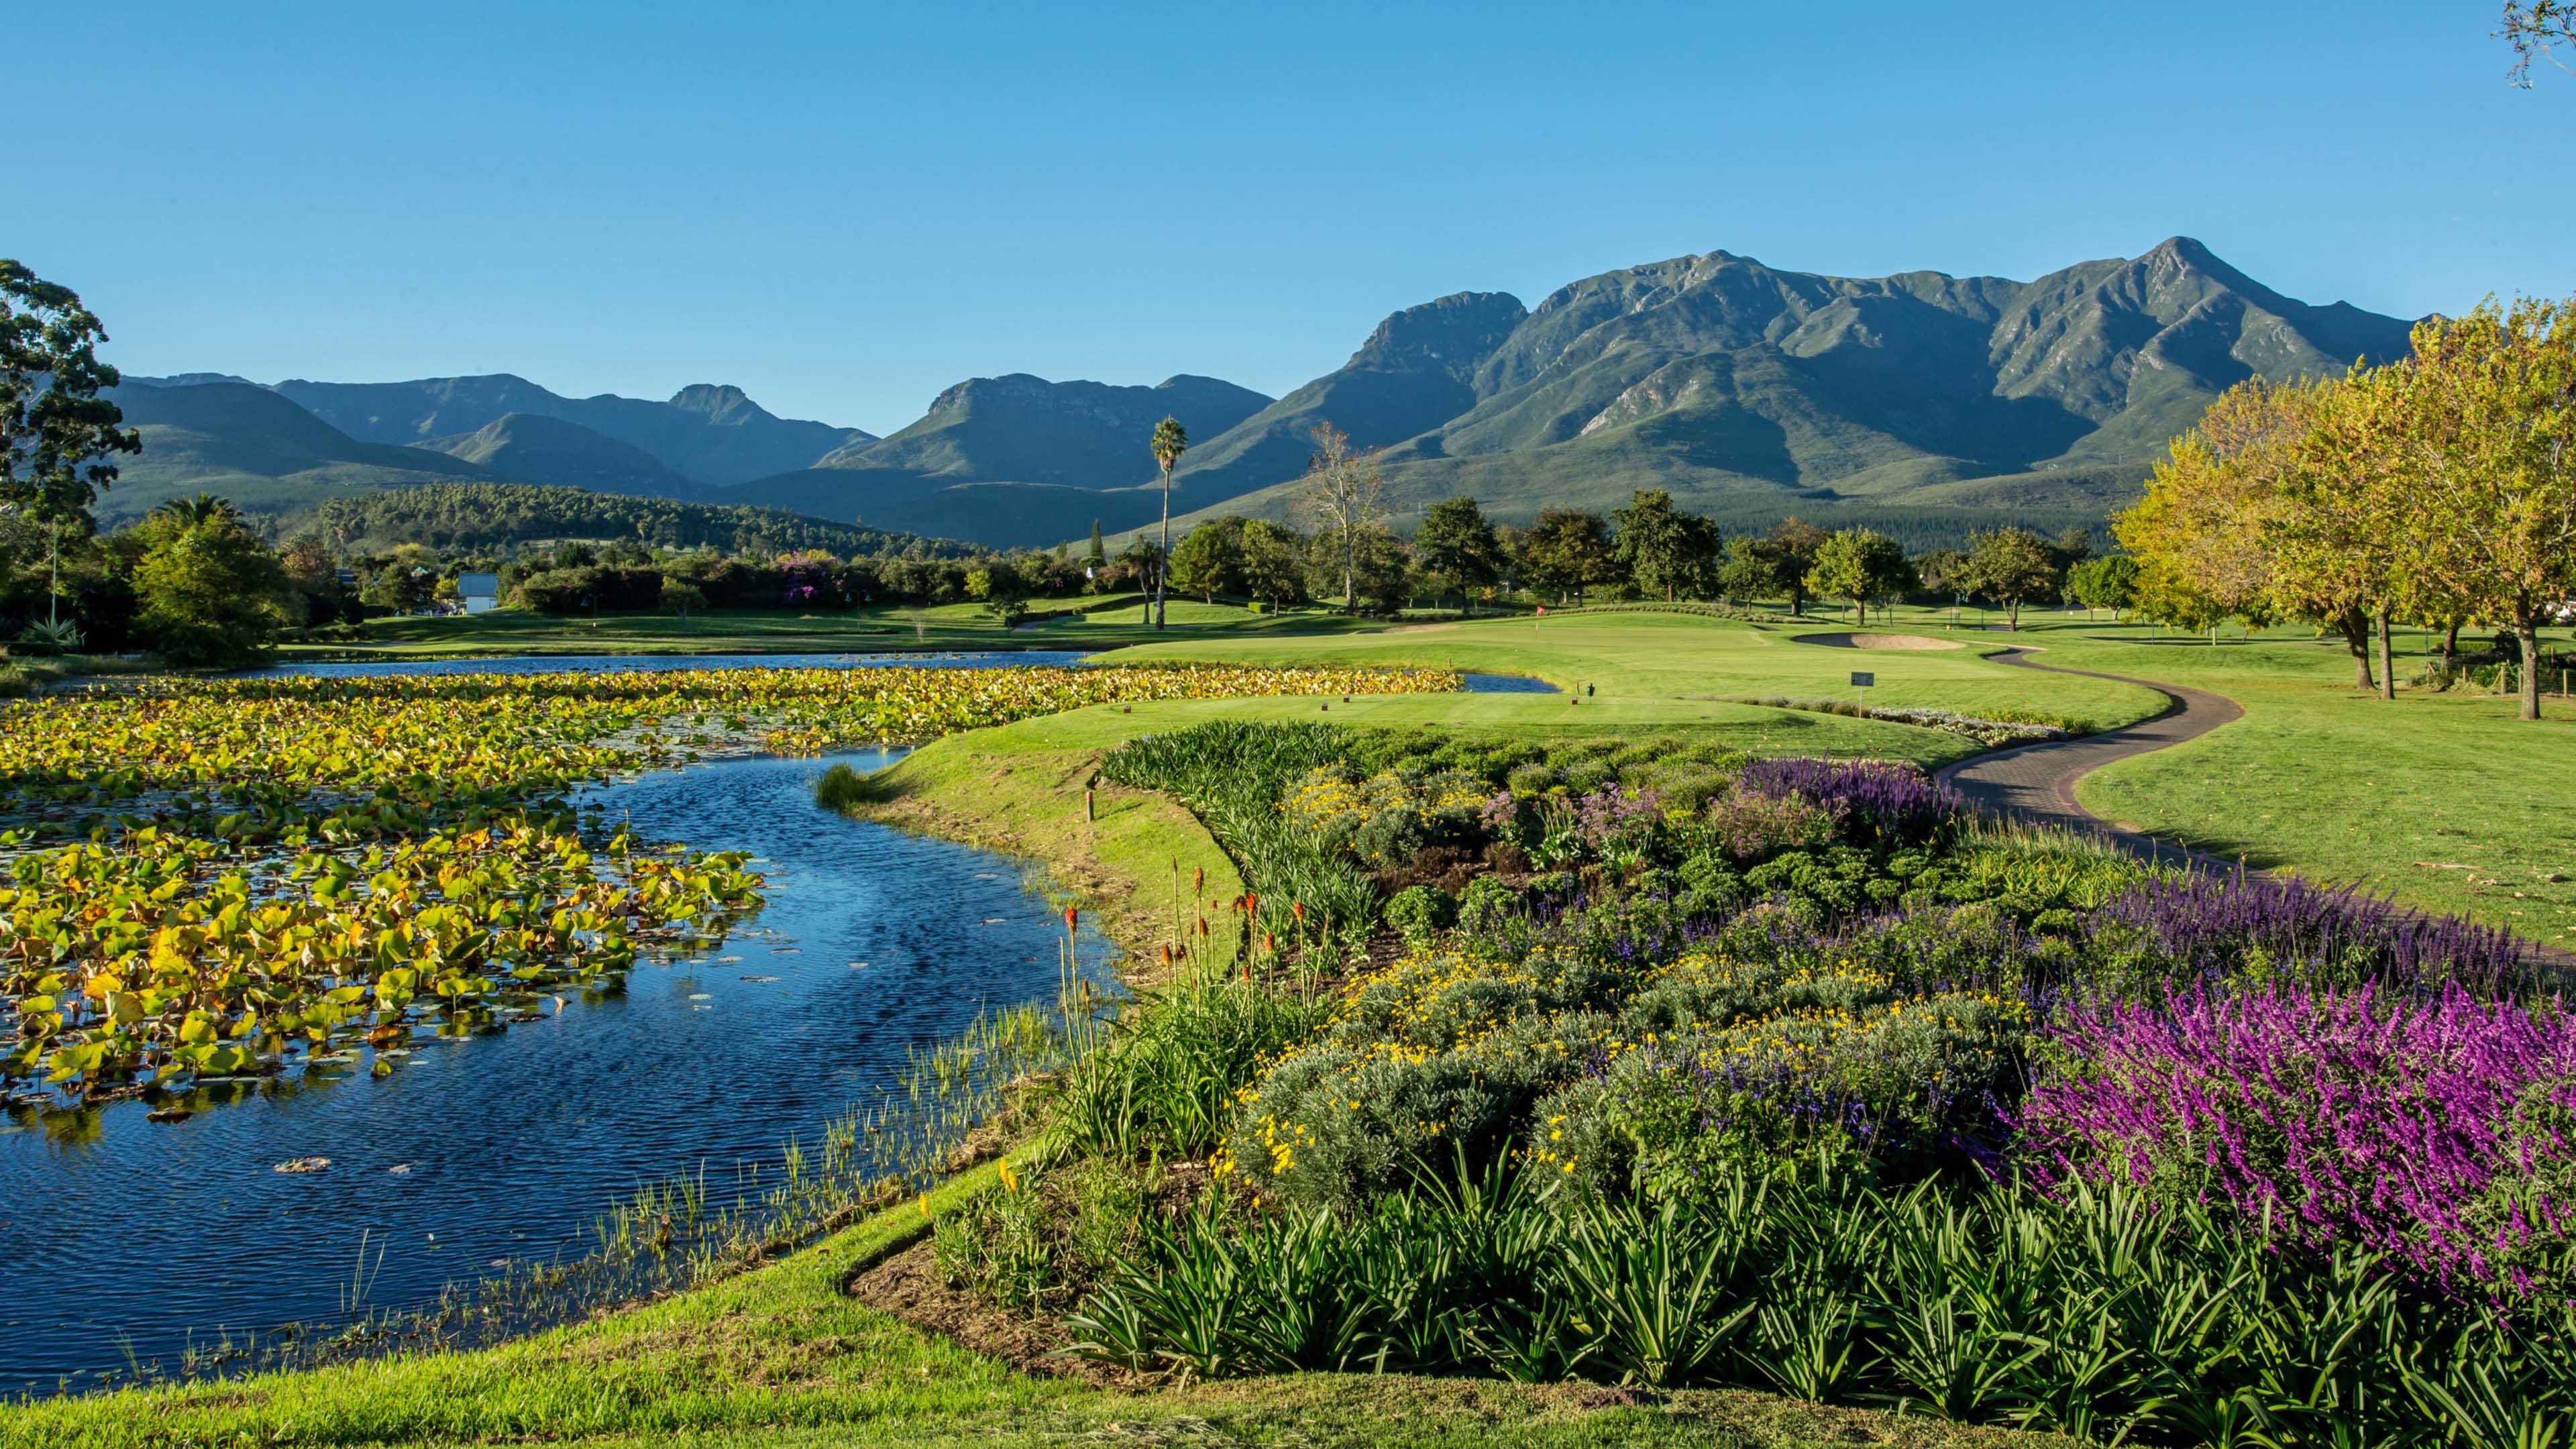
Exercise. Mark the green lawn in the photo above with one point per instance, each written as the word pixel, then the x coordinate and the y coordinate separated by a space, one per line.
pixel 2447 801
pixel 1678 663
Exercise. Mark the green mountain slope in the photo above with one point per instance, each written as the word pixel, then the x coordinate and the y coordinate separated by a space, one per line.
pixel 1011 460
pixel 709 434
pixel 534 448
pixel 1752 392
pixel 256 448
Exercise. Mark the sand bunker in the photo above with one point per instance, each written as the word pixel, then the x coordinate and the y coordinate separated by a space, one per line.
pixel 1905 642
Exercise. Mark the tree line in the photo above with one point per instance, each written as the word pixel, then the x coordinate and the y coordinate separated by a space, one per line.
pixel 2436 490
pixel 1650 548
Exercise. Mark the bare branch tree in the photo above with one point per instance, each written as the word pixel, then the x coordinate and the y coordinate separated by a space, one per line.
pixel 1342 497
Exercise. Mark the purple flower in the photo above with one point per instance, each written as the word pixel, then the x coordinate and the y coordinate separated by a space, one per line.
pixel 2435 1129
pixel 1895 801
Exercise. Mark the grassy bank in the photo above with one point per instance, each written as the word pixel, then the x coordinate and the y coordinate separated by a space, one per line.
pixel 781 1356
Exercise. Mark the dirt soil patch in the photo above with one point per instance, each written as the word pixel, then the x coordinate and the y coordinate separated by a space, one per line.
pixel 1903 643
pixel 908 1286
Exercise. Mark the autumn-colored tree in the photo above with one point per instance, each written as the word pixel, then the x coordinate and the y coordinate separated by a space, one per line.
pixel 2214 530
pixel 2491 448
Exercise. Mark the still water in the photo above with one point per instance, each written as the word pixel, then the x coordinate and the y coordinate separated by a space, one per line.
pixel 124 1237
pixel 617 663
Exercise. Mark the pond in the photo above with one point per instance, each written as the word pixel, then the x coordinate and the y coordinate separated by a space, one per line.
pixel 124 1241
pixel 610 663
pixel 616 663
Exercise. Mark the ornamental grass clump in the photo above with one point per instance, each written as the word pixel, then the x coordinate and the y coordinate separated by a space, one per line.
pixel 2439 1131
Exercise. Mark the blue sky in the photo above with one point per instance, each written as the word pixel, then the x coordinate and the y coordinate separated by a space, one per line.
pixel 846 208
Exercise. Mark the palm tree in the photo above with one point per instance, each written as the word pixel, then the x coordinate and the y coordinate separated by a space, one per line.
pixel 1171 440
pixel 196 512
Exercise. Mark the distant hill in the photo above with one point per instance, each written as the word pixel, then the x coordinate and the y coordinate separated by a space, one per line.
pixel 538 449
pixel 711 435
pixel 1751 392
pixel 1012 459
pixel 506 517
pixel 1926 403
pixel 254 447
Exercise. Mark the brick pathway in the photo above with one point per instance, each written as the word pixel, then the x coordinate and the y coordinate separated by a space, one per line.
pixel 2036 783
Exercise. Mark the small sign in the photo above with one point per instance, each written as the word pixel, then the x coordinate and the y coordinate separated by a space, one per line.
pixel 1863 679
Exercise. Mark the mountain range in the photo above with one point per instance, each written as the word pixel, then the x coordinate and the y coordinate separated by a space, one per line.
pixel 1747 390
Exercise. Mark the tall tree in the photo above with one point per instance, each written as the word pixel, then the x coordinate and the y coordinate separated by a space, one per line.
pixel 1664 548
pixel 2109 582
pixel 2216 528
pixel 1456 546
pixel 2492 436
pixel 1566 551
pixel 1274 562
pixel 1210 561
pixel 2334 540
pixel 1171 440
pixel 1098 556
pixel 1860 564
pixel 212 593
pixel 2009 566
pixel 1794 546
pixel 57 434
pixel 1343 498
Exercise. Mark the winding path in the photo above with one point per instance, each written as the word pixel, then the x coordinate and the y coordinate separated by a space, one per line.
pixel 2036 783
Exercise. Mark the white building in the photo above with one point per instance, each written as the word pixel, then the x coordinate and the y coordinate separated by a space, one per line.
pixel 481 592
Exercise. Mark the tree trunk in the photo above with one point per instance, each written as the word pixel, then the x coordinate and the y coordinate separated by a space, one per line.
pixel 2012 612
pixel 1860 614
pixel 2354 626
pixel 1163 565
pixel 1350 572
pixel 2526 629
pixel 2387 656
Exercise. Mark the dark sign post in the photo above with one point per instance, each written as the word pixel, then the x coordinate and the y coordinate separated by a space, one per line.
pixel 1862 679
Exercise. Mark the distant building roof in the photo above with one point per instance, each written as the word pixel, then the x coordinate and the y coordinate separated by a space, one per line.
pixel 486 586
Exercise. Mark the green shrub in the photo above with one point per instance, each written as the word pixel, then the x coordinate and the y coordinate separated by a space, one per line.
pixel 1164 1084
pixel 2095 1317
pixel 1421 913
